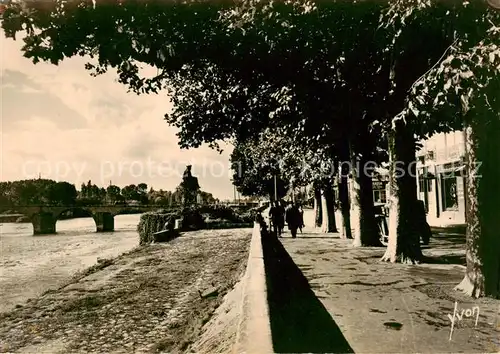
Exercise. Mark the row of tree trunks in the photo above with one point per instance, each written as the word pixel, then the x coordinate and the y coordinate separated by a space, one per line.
pixel 355 194
pixel 482 144
pixel 357 207
pixel 328 208
pixel 483 186
pixel 362 218
pixel 404 229
pixel 345 208
pixel 324 208
pixel 366 231
pixel 318 213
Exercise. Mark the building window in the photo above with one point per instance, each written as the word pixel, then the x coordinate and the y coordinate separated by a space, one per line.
pixel 421 185
pixel 449 193
pixel 379 196
pixel 425 185
pixel 383 197
pixel 424 182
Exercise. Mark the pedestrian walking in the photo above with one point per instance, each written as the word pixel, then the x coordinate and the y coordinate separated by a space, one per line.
pixel 293 219
pixel 281 217
pixel 276 217
pixel 301 218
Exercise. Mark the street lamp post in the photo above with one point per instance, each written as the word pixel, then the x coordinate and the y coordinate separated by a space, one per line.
pixel 275 189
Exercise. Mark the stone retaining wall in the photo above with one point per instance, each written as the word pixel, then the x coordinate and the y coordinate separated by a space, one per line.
pixel 254 330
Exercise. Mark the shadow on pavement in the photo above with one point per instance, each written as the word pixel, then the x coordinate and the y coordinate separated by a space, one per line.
pixel 446 259
pixel 456 229
pixel 305 236
pixel 299 321
pixel 450 239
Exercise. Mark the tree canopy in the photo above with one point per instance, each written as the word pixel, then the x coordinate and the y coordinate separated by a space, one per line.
pixel 232 68
pixel 36 192
pixel 227 77
pixel 339 79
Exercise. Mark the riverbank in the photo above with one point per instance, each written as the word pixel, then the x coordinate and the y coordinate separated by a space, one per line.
pixel 33 264
pixel 154 298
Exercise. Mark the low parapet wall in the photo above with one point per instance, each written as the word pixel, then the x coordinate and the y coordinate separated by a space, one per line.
pixel 254 330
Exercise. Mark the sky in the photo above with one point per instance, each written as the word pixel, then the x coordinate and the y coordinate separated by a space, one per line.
pixel 63 124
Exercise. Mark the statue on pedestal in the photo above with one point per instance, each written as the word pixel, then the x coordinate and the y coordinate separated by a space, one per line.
pixel 189 187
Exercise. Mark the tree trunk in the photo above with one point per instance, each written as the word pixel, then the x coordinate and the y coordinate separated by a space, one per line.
pixel 369 235
pixel 365 227
pixel 328 208
pixel 345 228
pixel 482 276
pixel 404 234
pixel 354 198
pixel 318 214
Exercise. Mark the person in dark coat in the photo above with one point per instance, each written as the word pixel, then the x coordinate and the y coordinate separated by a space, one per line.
pixel 301 214
pixel 293 219
pixel 275 214
pixel 424 228
pixel 281 216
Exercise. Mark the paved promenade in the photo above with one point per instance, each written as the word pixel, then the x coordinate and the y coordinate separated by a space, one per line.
pixel 387 308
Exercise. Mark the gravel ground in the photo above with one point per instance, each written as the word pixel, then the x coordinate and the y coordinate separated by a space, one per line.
pixel 152 299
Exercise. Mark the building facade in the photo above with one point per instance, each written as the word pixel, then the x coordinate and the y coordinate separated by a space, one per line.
pixel 440 178
pixel 380 181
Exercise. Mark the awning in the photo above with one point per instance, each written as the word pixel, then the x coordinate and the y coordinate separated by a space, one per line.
pixel 453 172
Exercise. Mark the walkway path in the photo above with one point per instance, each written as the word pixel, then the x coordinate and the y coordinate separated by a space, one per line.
pixel 388 308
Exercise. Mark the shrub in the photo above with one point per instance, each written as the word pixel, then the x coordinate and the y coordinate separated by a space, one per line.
pixel 222 212
pixel 249 215
pixel 192 219
pixel 219 212
pixel 217 225
pixel 153 222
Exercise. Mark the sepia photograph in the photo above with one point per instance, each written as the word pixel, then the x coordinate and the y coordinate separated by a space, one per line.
pixel 249 176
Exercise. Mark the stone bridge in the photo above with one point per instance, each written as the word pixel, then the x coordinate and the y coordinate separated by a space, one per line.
pixel 44 217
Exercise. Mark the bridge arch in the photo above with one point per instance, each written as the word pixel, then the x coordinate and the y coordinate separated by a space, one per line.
pixel 59 215
pixel 103 218
pixel 79 217
pixel 17 215
pixel 44 217
pixel 42 222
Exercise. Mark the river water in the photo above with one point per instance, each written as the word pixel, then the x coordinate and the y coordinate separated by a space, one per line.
pixel 30 265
